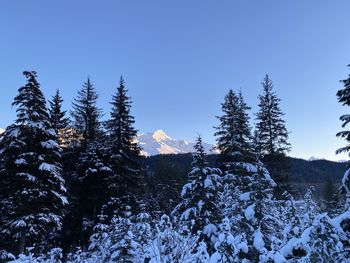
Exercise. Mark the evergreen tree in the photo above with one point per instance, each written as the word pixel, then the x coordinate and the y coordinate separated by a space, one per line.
pixel 344 98
pixel 226 250
pixel 199 209
pixel 123 149
pixel 273 134
pixel 32 189
pixel 92 189
pixel 233 133
pixel 57 118
pixel 123 246
pixel 86 114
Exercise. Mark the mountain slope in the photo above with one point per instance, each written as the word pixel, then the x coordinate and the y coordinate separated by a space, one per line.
pixel 159 142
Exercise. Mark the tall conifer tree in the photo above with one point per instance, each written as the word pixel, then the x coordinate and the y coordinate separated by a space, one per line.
pixel 199 209
pixel 272 131
pixel 233 133
pixel 272 135
pixel 57 117
pixel 123 149
pixel 86 114
pixel 344 98
pixel 32 189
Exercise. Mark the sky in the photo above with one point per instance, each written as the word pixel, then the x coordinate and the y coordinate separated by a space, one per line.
pixel 179 59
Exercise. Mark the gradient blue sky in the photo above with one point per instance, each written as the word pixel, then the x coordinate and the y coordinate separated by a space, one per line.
pixel 179 58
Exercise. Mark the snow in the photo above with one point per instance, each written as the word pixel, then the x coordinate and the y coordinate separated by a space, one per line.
pixel 49 144
pixel 159 142
pixel 208 183
pixel 210 229
pixel 245 196
pixel 160 135
pixel 63 198
pixel 28 176
pixel 249 213
pixel 2 130
pixel 20 161
pixel 48 167
pixel 258 242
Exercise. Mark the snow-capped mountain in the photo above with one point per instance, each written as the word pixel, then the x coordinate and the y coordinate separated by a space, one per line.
pixel 1 130
pixel 159 142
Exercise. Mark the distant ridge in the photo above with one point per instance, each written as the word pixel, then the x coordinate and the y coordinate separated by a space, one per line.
pixel 159 142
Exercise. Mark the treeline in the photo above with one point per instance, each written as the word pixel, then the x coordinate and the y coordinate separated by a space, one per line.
pixel 80 184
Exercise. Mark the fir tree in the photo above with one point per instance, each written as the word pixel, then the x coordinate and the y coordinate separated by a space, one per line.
pixel 233 133
pixel 93 189
pixel 226 250
pixel 344 98
pixel 123 150
pixel 86 114
pixel 272 135
pixel 199 208
pixel 58 119
pixel 123 246
pixel 32 189
pixel 272 131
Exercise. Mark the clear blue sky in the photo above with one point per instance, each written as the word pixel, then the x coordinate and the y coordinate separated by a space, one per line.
pixel 179 58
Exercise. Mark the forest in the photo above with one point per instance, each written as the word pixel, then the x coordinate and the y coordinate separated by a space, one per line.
pixel 75 188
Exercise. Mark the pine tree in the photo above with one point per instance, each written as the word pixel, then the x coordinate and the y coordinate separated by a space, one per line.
pixel 86 114
pixel 123 246
pixel 273 134
pixel 233 133
pixel 123 149
pixel 226 250
pixel 344 98
pixel 32 189
pixel 199 207
pixel 58 119
pixel 142 231
pixel 93 189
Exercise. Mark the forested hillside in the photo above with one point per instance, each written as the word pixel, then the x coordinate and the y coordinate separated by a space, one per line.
pixel 77 189
pixel 302 173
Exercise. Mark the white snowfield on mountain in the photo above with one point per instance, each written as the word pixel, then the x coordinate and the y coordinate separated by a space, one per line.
pixel 159 142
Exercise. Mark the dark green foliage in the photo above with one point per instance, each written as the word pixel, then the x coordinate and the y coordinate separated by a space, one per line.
pixel 56 114
pixel 272 136
pixel 233 134
pixel 198 208
pixel 57 117
pixel 32 189
pixel 271 129
pixel 344 98
pixel 86 114
pixel 124 152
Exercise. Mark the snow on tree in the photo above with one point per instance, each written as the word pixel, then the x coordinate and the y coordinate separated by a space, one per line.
pixel 272 136
pixel 142 231
pixel 58 119
pixel 93 188
pixel 225 249
pixel 86 114
pixel 272 131
pixel 123 149
pixel 198 209
pixel 123 246
pixel 233 134
pixel 344 98
pixel 170 246
pixel 310 208
pixel 32 189
pixel 247 184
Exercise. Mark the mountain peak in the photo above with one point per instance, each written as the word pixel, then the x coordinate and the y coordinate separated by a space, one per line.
pixel 159 142
pixel 160 135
